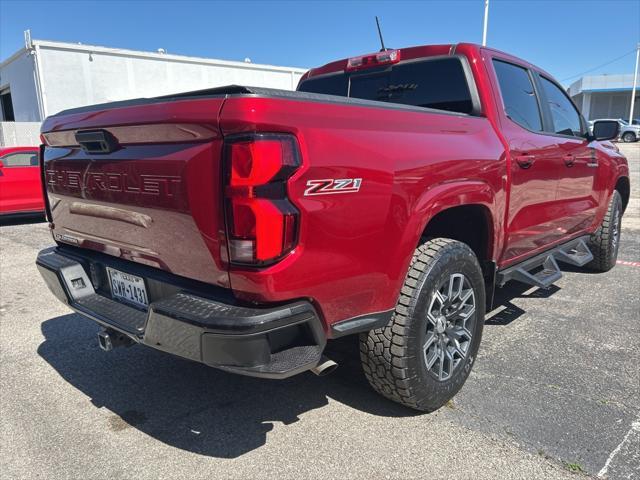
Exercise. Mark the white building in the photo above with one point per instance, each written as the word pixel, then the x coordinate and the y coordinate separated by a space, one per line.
pixel 605 96
pixel 44 77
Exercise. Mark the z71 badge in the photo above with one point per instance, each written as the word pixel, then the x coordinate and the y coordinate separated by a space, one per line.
pixel 329 186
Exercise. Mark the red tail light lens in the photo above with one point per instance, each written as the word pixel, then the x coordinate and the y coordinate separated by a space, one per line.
pixel 261 222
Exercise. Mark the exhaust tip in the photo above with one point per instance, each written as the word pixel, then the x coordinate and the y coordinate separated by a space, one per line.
pixel 324 367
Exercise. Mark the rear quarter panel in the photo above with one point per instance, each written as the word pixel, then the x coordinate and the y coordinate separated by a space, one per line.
pixel 355 248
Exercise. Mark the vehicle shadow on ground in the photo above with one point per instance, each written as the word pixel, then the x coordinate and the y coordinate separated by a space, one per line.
pixel 195 407
pixel 26 219
pixel 207 411
pixel 504 311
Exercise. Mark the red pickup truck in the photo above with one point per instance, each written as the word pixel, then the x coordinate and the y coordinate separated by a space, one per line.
pixel 387 197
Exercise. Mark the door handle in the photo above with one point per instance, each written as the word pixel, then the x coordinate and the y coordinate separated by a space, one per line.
pixel 569 160
pixel 525 160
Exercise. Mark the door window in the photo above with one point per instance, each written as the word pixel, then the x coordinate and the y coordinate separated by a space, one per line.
pixel 565 117
pixel 518 95
pixel 22 159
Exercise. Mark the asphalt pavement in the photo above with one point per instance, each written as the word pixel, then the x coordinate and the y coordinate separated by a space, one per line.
pixel 555 393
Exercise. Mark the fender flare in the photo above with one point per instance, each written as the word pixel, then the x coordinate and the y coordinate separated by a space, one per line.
pixel 621 174
pixel 448 195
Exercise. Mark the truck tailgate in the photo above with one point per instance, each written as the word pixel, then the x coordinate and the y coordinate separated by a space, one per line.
pixel 140 182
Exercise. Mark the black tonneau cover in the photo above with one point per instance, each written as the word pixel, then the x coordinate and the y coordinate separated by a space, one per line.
pixel 238 90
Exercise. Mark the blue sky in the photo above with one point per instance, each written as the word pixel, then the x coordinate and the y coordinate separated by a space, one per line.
pixel 565 37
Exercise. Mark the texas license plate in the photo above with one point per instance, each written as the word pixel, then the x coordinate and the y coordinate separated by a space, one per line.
pixel 128 288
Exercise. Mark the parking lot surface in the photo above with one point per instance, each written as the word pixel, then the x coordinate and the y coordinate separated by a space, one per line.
pixel 555 393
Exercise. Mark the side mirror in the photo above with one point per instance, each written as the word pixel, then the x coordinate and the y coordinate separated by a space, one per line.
pixel 605 129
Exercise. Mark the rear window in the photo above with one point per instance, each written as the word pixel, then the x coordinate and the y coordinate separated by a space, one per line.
pixel 439 84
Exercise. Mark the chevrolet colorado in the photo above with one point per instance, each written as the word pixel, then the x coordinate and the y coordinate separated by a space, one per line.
pixel 387 197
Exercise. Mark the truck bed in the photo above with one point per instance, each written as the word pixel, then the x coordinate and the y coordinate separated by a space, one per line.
pixel 244 91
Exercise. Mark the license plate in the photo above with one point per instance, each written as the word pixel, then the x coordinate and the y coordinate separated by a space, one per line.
pixel 128 288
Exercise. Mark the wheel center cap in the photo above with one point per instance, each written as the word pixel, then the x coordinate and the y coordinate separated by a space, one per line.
pixel 441 323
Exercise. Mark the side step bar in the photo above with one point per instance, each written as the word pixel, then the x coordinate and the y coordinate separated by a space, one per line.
pixel 542 270
pixel 578 255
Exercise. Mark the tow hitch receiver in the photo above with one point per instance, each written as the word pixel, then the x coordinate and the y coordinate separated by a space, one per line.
pixel 108 339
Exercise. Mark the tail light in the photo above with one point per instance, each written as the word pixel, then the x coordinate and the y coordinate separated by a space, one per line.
pixel 43 180
pixel 386 57
pixel 262 224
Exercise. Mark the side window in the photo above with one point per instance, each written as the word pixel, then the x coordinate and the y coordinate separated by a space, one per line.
pixel 22 159
pixel 518 95
pixel 566 120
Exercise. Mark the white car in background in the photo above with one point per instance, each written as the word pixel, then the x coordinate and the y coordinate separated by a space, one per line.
pixel 628 133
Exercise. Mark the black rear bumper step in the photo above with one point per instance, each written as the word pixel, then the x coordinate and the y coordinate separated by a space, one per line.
pixel 543 270
pixel 271 342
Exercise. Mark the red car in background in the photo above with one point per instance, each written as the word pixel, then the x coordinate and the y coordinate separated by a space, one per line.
pixel 20 185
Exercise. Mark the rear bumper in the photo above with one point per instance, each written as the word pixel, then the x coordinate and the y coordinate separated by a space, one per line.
pixel 189 319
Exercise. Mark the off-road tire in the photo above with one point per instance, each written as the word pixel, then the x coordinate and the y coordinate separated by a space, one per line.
pixel 392 357
pixel 605 242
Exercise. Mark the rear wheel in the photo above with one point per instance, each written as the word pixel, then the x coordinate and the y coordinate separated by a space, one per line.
pixel 424 355
pixel 605 242
pixel 629 137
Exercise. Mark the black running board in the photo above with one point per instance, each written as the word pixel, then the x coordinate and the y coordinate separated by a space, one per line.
pixel 576 254
pixel 542 270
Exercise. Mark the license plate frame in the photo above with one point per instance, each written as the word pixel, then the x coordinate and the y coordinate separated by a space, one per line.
pixel 128 288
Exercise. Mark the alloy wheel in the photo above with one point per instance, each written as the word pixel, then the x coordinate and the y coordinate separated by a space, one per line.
pixel 450 325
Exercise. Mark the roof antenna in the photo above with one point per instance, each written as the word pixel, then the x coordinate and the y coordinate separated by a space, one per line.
pixel 383 49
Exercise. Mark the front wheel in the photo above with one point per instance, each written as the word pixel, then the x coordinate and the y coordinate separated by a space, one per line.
pixel 628 137
pixel 605 242
pixel 424 355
